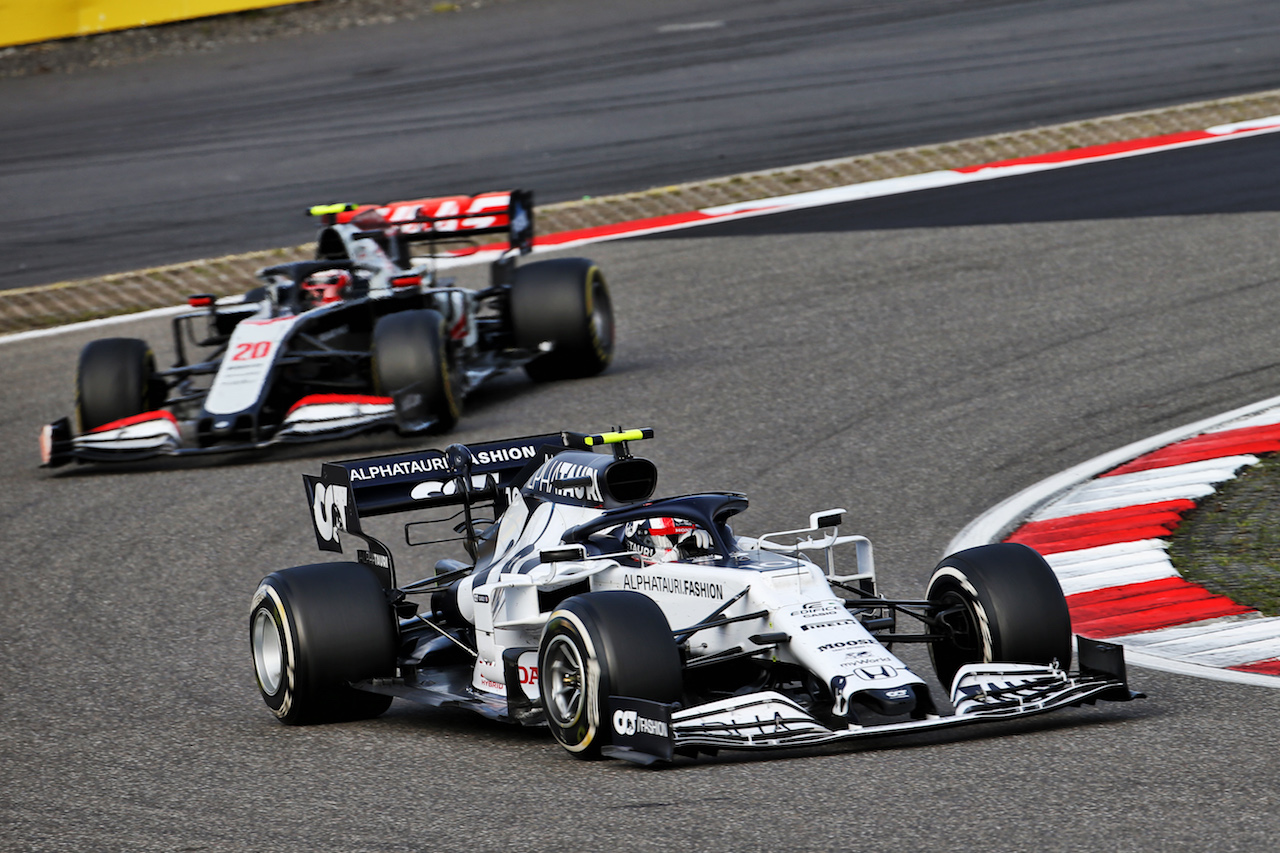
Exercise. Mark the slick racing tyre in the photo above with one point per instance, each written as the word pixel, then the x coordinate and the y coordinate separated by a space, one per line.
pixel 115 379
pixel 998 602
pixel 565 303
pixel 313 630
pixel 597 645
pixel 411 363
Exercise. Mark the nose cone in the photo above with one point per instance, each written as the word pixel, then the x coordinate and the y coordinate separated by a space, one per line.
pixel 878 706
pixel 887 702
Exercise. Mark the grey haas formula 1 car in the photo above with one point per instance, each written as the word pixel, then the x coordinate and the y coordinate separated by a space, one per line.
pixel 644 628
pixel 366 336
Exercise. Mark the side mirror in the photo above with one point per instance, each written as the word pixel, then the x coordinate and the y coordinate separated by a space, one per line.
pixel 567 554
pixel 827 518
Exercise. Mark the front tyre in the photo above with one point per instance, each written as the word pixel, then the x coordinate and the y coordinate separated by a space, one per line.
pixel 597 645
pixel 563 303
pixel 315 629
pixel 115 379
pixel 998 602
pixel 411 364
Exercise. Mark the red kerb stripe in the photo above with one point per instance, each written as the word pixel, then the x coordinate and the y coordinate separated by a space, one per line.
pixel 1091 151
pixel 1147 606
pixel 1106 527
pixel 623 228
pixel 1089 519
pixel 1266 667
pixel 1112 593
pixel 1048 545
pixel 1213 445
pixel 1181 594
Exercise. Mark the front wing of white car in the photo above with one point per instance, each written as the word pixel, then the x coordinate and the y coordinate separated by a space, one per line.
pixel 645 732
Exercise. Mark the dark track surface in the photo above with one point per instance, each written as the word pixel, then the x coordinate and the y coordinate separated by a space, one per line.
pixel 916 374
pixel 196 156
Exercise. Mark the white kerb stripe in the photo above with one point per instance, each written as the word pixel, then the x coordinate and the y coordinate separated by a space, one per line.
pixel 1117 577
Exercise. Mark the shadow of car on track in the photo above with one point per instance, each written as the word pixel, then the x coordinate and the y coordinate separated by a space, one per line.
pixel 408 724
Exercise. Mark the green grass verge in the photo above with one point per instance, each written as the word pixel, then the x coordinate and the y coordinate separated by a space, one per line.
pixel 1230 543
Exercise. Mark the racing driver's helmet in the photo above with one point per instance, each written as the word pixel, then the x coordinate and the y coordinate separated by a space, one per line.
pixel 324 287
pixel 666 540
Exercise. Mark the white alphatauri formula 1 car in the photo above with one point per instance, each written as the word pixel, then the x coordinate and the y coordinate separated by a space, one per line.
pixel 644 628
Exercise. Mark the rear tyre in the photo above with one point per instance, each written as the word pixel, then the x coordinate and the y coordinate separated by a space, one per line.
pixel 998 602
pixel 411 364
pixel 597 645
pixel 115 379
pixel 315 629
pixel 565 303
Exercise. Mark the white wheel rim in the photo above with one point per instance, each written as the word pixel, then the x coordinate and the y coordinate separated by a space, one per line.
pixel 268 653
pixel 564 676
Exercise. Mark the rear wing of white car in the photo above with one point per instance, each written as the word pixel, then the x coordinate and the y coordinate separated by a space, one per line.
pixel 460 475
pixel 422 479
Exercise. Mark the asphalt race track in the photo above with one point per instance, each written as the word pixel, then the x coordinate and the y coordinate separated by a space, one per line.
pixel 915 374
pixel 915 359
pixel 201 155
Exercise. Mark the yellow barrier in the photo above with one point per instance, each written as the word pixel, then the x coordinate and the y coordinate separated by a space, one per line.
pixel 24 21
